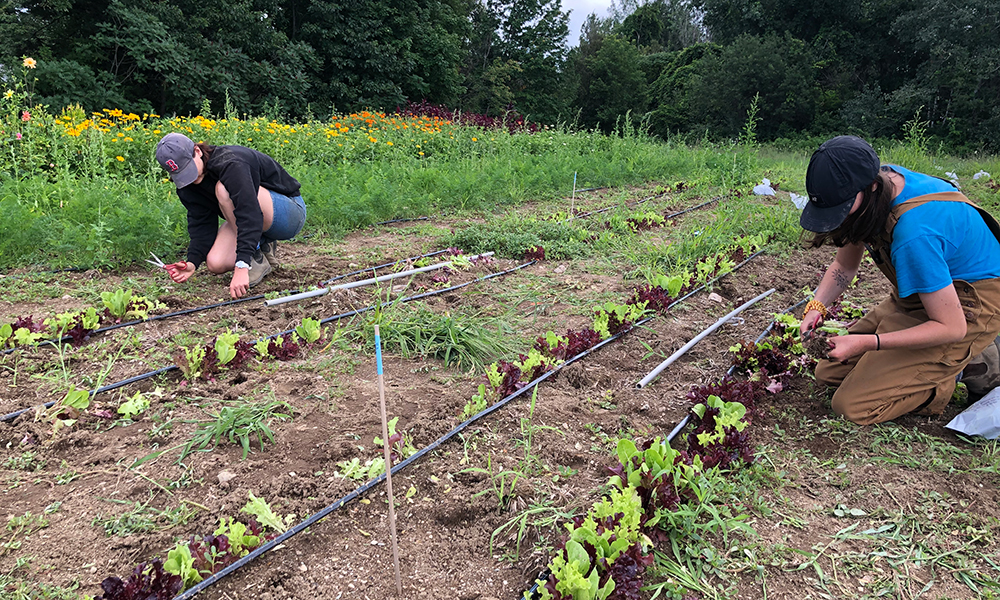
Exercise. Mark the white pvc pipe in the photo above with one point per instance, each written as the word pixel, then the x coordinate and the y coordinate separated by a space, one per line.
pixel 354 284
pixel 673 357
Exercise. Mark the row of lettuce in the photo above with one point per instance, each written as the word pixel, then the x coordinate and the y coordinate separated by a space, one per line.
pixel 192 560
pixel 606 552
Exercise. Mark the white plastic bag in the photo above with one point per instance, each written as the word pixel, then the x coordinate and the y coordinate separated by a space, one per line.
pixel 764 189
pixel 982 418
pixel 981 174
pixel 799 201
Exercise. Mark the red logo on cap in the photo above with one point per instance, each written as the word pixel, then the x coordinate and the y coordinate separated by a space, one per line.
pixel 173 166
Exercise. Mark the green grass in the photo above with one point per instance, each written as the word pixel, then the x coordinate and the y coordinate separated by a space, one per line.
pixel 238 423
pixel 470 341
pixel 142 518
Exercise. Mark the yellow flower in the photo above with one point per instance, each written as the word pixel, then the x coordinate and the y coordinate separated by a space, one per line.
pixel 474 140
pixel 30 63
pixel 388 143
pixel 120 158
pixel 8 93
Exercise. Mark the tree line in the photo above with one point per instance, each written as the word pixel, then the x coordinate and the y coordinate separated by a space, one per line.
pixel 688 67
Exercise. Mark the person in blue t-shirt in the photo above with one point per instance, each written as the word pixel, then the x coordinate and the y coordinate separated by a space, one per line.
pixel 940 252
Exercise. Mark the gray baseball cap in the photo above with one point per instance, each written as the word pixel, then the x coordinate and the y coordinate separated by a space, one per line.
pixel 175 153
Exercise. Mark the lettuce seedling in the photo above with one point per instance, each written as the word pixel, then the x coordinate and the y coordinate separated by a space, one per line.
pixel 261 510
pixel 26 337
pixel 180 562
pixel 120 305
pixel 148 581
pixel 534 253
pixel 78 325
pixel 309 331
pixel 66 411
pixel 534 365
pixel 135 405
pixel 262 348
pixel 477 404
pixel 728 415
pixel 672 284
pixel 225 347
pixel 190 361
pixel 117 302
pixel 461 263
pixel 611 318
pixel 400 444
pixel 354 469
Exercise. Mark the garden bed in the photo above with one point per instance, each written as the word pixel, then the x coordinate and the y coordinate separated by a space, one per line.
pixel 449 506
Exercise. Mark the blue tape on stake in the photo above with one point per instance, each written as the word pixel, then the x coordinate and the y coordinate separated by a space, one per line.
pixel 378 354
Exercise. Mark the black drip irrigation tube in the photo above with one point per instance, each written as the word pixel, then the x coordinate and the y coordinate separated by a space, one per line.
pixel 676 214
pixel 46 271
pixel 316 517
pixel 401 221
pixel 532 592
pixel 188 311
pixel 130 380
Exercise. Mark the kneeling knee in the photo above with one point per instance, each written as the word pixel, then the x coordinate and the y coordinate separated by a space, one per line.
pixel 216 266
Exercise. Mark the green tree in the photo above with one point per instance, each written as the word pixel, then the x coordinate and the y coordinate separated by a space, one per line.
pixel 668 94
pixel 662 25
pixel 379 54
pixel 517 50
pixel 611 81
pixel 779 68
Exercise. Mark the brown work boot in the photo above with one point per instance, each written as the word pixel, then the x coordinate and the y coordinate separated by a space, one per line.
pixel 259 267
pixel 270 250
pixel 982 374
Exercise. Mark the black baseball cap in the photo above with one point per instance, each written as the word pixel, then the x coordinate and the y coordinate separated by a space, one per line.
pixel 175 153
pixel 838 170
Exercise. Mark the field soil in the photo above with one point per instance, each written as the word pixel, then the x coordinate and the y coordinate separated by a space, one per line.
pixel 450 514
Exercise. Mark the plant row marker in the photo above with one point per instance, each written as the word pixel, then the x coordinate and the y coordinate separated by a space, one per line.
pixel 704 334
pixel 354 284
pixel 388 459
pixel 323 513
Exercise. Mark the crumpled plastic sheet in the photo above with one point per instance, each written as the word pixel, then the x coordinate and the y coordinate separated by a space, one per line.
pixel 982 418
pixel 764 189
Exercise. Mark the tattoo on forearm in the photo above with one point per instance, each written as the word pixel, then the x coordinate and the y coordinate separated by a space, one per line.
pixel 841 279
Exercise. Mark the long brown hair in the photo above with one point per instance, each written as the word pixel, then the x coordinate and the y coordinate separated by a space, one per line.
pixel 869 220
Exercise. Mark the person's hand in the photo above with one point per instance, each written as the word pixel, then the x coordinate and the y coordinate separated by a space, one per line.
pixel 180 271
pixel 240 284
pixel 810 321
pixel 844 347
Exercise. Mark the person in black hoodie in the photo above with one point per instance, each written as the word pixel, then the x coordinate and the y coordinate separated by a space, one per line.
pixel 259 201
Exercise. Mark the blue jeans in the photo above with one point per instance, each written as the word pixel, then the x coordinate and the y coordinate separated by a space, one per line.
pixel 289 217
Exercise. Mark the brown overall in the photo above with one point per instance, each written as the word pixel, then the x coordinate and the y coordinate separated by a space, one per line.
pixel 879 386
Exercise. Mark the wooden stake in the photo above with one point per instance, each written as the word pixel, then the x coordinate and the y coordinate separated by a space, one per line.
pixel 388 461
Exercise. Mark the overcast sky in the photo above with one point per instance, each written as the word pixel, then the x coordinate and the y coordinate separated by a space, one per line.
pixel 582 8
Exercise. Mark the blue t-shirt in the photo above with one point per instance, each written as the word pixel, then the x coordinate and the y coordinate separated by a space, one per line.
pixel 939 242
